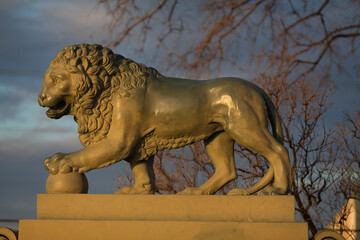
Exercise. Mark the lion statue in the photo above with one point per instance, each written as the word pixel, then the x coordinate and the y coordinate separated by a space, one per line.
pixel 127 111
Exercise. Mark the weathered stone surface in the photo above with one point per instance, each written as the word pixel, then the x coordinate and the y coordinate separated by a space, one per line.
pixel 166 207
pixel 105 216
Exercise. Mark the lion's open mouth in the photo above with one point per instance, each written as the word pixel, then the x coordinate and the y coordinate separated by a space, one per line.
pixel 58 111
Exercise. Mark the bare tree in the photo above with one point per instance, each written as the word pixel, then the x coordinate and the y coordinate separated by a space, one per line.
pixel 350 138
pixel 290 48
pixel 347 187
pixel 292 37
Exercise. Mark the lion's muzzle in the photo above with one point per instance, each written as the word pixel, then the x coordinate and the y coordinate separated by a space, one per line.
pixel 41 99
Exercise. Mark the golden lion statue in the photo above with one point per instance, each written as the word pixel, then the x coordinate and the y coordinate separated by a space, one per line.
pixel 125 110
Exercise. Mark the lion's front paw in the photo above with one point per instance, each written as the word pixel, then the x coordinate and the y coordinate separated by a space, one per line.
pixel 58 163
pixel 136 189
pixel 270 190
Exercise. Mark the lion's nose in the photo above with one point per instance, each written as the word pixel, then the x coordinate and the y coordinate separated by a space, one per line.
pixel 41 99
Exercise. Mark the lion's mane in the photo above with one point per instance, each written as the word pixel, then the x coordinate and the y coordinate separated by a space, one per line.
pixel 99 74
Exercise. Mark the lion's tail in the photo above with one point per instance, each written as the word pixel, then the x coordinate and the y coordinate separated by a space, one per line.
pixel 278 135
pixel 274 119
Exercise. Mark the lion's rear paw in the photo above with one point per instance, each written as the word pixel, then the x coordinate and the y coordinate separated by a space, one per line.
pixel 270 190
pixel 146 189
pixel 195 191
pixel 238 192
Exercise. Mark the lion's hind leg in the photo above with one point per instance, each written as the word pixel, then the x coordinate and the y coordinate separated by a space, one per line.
pixel 261 141
pixel 144 178
pixel 249 130
pixel 220 148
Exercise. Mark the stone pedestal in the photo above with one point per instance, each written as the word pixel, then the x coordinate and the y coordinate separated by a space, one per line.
pixel 105 216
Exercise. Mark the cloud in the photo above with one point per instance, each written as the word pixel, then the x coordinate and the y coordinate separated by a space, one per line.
pixel 13 92
pixel 33 33
pixel 39 29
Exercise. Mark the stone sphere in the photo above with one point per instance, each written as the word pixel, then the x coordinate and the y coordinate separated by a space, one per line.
pixel 72 182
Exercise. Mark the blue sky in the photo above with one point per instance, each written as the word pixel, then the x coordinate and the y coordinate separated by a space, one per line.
pixel 31 33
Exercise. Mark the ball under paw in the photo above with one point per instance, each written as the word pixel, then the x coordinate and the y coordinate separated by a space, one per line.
pixel 72 182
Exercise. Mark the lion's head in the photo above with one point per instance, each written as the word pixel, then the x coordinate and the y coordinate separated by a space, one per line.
pixel 81 81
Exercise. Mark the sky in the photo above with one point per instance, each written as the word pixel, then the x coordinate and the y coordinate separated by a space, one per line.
pixel 31 34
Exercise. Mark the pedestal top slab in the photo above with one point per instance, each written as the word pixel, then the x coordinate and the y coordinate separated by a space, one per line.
pixel 166 207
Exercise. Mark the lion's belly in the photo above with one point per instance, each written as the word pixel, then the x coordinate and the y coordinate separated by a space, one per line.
pixel 153 142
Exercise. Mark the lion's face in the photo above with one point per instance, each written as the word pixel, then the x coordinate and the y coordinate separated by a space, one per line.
pixel 57 92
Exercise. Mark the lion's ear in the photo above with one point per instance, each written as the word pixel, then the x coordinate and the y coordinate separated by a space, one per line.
pixel 83 61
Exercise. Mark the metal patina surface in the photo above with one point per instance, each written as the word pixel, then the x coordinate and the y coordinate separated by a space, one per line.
pixel 127 111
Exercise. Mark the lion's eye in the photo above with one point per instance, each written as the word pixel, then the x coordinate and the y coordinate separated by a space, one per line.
pixel 56 80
